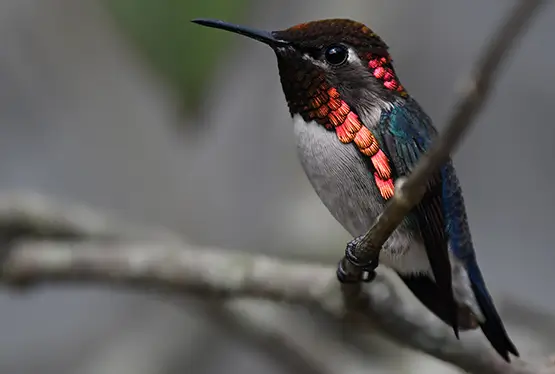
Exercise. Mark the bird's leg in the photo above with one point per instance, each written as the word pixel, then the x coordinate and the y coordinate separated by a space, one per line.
pixel 363 252
pixel 351 269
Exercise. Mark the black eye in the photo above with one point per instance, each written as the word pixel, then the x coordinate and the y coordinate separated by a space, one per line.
pixel 336 54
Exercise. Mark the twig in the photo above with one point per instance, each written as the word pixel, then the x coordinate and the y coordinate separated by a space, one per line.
pixel 22 213
pixel 219 274
pixel 286 338
pixel 411 191
pixel 213 273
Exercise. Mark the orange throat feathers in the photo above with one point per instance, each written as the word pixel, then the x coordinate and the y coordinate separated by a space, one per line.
pixel 334 113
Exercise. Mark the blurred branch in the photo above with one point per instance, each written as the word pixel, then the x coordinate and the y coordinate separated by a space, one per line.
pixel 412 189
pixel 286 339
pixel 29 213
pixel 212 273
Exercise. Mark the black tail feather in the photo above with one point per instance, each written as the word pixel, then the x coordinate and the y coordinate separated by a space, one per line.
pixel 493 326
pixel 428 293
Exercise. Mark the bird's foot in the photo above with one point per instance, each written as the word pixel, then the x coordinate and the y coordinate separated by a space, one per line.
pixel 345 276
pixel 366 271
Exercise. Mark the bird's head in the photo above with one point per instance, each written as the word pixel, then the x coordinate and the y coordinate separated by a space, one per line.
pixel 328 67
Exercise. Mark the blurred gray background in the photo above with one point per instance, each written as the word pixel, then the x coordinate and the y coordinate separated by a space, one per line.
pixel 126 106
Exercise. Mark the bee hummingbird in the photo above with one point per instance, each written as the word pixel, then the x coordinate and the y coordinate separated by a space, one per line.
pixel 358 131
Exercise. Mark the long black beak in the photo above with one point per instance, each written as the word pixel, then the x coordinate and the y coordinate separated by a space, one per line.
pixel 260 35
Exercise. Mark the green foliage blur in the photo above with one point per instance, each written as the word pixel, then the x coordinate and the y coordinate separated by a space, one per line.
pixel 185 54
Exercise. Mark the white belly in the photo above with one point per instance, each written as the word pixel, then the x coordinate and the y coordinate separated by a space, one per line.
pixel 341 177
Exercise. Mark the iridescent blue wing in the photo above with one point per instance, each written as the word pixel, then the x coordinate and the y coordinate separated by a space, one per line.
pixel 407 133
pixel 462 247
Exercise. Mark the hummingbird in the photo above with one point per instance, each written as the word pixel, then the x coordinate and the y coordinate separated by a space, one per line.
pixel 358 133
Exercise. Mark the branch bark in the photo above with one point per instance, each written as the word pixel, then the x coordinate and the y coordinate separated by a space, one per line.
pixel 85 255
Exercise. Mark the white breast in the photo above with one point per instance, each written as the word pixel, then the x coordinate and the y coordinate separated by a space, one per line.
pixel 341 177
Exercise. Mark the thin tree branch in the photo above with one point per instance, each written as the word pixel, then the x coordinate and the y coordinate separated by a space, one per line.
pixel 23 212
pixel 215 274
pixel 211 273
pixel 411 191
pixel 289 345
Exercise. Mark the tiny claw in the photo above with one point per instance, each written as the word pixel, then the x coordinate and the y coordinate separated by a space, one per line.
pixel 350 256
pixel 345 277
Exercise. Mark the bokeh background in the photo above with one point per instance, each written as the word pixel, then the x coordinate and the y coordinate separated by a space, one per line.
pixel 125 105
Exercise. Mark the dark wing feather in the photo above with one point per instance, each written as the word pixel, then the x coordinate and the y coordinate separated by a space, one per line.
pixel 463 249
pixel 407 133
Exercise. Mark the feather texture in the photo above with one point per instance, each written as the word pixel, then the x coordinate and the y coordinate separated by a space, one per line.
pixel 461 245
pixel 407 132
